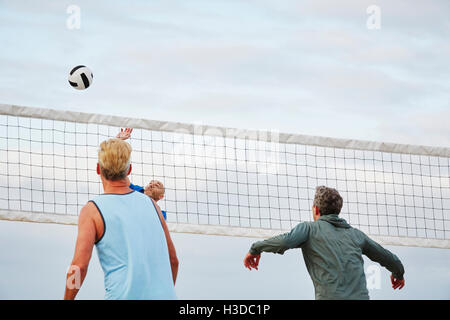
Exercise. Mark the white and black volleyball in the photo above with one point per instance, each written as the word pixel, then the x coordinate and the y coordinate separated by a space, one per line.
pixel 80 77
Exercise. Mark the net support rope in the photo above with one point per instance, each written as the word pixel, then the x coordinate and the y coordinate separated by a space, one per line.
pixel 225 181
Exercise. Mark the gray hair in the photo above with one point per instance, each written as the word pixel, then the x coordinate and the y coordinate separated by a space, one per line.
pixel 328 200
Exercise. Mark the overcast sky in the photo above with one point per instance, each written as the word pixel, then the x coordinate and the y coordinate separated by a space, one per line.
pixel 308 67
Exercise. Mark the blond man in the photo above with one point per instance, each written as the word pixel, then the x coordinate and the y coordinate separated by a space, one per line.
pixel 133 243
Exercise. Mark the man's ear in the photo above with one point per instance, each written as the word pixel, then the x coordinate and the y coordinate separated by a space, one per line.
pixel 316 211
pixel 161 197
pixel 129 170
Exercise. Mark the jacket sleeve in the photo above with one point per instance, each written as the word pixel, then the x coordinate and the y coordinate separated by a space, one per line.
pixel 279 244
pixel 387 259
pixel 136 188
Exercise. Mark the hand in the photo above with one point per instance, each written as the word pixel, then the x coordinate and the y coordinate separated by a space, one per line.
pixel 124 134
pixel 252 261
pixel 397 283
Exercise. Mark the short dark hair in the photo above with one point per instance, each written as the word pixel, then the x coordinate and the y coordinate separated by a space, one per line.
pixel 327 200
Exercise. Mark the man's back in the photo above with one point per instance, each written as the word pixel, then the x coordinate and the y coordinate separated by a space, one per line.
pixel 133 251
pixel 333 257
pixel 332 251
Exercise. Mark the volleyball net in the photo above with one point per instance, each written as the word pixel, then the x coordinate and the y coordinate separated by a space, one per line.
pixel 224 181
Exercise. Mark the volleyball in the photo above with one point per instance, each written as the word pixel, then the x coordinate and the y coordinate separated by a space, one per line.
pixel 80 77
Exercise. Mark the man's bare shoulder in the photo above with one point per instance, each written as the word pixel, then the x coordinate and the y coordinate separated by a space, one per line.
pixel 90 216
pixel 89 212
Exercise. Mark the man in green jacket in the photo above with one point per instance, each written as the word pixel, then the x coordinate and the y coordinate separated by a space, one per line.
pixel 332 251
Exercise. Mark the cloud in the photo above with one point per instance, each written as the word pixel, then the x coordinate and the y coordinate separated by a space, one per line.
pixel 424 128
pixel 296 65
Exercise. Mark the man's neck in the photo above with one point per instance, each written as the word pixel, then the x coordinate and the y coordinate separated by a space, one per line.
pixel 119 186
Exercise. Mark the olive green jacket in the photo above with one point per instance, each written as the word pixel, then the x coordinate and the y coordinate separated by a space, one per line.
pixel 332 251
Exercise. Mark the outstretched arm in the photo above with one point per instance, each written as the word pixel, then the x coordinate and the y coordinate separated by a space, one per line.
pixel 387 259
pixel 278 244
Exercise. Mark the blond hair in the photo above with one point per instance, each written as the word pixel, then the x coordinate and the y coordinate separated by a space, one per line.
pixel 114 159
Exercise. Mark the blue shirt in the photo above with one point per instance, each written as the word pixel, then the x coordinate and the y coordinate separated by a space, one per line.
pixel 133 250
pixel 137 188
pixel 141 190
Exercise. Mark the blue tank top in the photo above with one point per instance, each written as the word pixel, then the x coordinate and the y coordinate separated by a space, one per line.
pixel 133 251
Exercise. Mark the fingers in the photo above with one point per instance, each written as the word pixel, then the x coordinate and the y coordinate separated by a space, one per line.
pixel 128 132
pixel 247 264
pixel 120 133
pixel 124 134
pixel 397 284
pixel 254 264
pixel 251 261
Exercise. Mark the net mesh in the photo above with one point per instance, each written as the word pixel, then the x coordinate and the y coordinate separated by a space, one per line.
pixel 256 182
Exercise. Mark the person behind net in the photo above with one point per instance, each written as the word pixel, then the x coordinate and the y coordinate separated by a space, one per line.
pixel 155 189
pixel 133 243
pixel 332 251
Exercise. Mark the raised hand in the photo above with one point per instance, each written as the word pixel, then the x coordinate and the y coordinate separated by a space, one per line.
pixel 124 134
